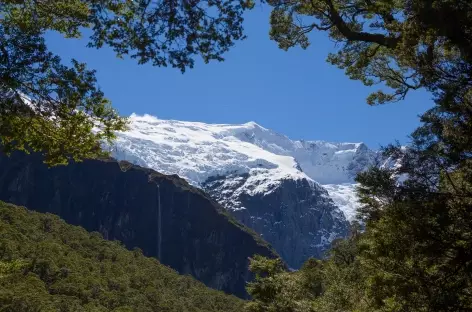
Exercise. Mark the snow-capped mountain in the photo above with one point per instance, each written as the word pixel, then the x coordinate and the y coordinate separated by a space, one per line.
pixel 268 181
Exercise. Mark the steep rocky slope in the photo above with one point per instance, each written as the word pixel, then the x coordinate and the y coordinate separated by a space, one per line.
pixel 297 216
pixel 163 215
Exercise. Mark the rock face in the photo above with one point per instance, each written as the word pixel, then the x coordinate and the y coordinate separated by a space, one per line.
pixel 162 215
pixel 297 217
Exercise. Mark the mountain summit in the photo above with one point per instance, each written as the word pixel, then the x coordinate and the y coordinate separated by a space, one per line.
pixel 297 194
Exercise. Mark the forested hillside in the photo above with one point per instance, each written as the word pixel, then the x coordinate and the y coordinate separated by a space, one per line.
pixel 48 265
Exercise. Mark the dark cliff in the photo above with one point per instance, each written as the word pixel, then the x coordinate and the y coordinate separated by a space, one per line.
pixel 296 217
pixel 162 215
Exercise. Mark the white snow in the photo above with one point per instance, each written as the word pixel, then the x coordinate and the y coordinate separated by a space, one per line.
pixel 197 151
pixel 326 239
pixel 344 196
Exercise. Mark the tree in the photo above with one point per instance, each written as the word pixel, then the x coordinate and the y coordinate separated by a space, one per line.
pixel 344 277
pixel 405 44
pixel 59 109
pixel 330 285
pixel 418 239
pixel 416 249
pixel 276 290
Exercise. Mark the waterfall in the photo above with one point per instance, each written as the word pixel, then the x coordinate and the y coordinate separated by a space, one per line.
pixel 159 224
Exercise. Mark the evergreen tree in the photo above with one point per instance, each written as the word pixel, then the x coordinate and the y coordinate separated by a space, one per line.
pixel 335 284
pixel 55 108
pixel 404 44
pixel 276 290
pixel 416 251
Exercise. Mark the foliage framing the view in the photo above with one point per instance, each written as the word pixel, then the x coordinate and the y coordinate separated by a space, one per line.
pixel 404 44
pixel 416 251
pixel 58 109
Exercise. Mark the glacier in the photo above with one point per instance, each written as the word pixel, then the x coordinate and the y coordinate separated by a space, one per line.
pixel 197 151
pixel 247 165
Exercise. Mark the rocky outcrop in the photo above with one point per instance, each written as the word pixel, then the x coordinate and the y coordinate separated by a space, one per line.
pixel 162 215
pixel 297 217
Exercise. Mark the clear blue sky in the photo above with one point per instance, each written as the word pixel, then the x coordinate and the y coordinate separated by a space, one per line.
pixel 295 93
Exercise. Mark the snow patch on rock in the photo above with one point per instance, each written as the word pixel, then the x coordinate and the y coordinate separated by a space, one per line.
pixel 344 196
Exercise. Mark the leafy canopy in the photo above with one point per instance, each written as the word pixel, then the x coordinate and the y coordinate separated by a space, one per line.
pixel 57 108
pixel 416 251
pixel 403 44
pixel 335 284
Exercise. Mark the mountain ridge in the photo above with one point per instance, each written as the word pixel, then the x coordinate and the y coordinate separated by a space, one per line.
pixel 198 151
pixel 260 168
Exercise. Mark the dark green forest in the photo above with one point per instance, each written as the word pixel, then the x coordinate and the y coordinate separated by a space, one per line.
pixel 48 265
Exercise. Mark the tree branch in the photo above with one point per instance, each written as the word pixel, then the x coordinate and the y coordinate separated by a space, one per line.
pixel 351 35
pixel 387 17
